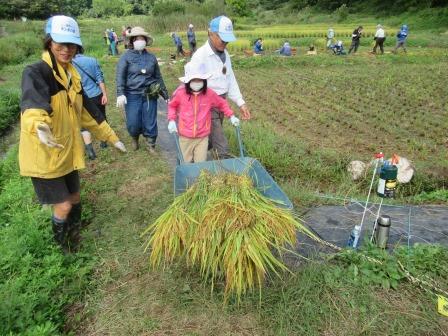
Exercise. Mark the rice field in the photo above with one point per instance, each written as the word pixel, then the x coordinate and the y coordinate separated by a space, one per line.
pixel 334 109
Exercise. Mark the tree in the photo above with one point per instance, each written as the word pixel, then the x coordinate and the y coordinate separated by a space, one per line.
pixel 239 7
pixel 111 8
pixel 37 9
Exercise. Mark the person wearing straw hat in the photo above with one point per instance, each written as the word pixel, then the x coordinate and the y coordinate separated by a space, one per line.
pixel 54 110
pixel 139 83
pixel 214 56
pixel 191 107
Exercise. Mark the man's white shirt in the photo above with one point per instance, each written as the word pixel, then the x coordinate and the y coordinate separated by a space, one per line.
pixel 219 82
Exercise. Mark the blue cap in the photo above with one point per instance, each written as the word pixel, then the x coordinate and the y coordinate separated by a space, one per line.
pixel 222 25
pixel 63 29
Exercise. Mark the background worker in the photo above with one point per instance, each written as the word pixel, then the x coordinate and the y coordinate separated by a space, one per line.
pixel 380 37
pixel 95 90
pixel 107 41
pixel 137 72
pixel 258 46
pixel 112 42
pixel 356 39
pixel 338 48
pixel 402 35
pixel 330 37
pixel 285 50
pixel 53 111
pixel 191 35
pixel 115 37
pixel 178 43
pixel 216 60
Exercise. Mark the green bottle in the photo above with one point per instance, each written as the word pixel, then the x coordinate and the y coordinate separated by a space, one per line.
pixel 388 181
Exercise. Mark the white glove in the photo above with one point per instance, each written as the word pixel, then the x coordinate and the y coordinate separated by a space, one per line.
pixel 234 121
pixel 121 101
pixel 172 126
pixel 46 136
pixel 119 145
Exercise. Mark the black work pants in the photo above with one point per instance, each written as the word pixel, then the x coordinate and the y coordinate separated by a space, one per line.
pixel 379 43
pixel 354 46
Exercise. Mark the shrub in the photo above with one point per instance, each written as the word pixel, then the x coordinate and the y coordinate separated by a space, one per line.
pixel 17 48
pixel 9 108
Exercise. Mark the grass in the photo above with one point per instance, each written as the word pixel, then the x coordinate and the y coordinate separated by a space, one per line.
pixel 307 125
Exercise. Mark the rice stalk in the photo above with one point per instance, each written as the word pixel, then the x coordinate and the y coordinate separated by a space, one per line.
pixel 228 230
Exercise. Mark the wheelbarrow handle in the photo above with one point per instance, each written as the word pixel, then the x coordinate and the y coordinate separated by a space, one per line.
pixel 179 152
pixel 240 143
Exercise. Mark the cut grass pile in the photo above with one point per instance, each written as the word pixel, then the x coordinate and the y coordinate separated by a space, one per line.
pixel 223 225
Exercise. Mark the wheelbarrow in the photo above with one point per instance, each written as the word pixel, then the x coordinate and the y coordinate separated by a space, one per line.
pixel 187 173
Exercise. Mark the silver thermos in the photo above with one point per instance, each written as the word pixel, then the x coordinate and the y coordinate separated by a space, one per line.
pixel 382 231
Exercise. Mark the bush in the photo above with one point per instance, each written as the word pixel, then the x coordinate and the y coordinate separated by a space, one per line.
pixel 16 48
pixel 167 7
pixel 9 108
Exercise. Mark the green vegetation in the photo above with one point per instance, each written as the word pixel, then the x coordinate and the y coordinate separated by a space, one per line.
pixel 37 281
pixel 311 116
pixel 9 108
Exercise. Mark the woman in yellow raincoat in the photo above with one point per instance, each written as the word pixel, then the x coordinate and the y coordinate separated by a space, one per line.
pixel 51 149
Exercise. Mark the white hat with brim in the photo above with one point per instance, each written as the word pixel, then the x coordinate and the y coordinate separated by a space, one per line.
pixel 139 31
pixel 63 29
pixel 194 71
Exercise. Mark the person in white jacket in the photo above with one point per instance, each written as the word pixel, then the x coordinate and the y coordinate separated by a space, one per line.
pixel 216 60
pixel 380 37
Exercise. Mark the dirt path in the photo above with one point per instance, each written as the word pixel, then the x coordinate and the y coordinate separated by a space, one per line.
pixel 123 194
pixel 165 140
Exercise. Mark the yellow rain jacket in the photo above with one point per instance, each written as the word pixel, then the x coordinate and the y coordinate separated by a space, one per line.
pixel 55 97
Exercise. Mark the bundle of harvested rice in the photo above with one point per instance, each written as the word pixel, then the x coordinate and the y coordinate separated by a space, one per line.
pixel 228 229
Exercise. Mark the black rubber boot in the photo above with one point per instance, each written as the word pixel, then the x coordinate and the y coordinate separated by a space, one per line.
pixel 90 152
pixel 60 227
pixel 74 227
pixel 135 145
pixel 151 143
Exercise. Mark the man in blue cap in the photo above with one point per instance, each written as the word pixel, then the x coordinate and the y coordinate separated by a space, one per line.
pixel 216 60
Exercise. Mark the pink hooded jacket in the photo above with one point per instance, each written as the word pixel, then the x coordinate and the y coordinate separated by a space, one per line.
pixel 193 112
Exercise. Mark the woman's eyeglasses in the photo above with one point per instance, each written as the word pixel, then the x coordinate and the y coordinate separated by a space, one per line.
pixel 70 46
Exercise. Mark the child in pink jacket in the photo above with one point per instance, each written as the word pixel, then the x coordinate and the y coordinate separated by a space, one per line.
pixel 191 107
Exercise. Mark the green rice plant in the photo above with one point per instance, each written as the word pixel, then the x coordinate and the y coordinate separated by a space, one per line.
pixel 226 228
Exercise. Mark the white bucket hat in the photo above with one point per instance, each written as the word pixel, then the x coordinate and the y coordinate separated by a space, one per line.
pixel 194 71
pixel 139 31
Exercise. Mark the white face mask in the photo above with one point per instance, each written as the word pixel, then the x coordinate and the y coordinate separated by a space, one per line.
pixel 139 45
pixel 196 86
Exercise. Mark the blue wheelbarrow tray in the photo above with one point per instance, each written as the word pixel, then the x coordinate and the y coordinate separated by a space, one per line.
pixel 187 173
